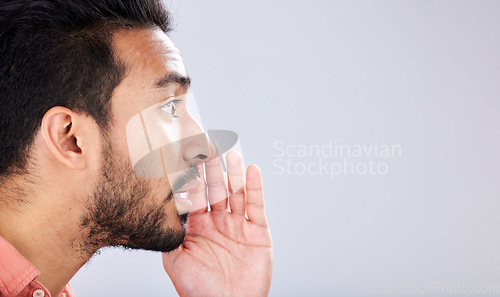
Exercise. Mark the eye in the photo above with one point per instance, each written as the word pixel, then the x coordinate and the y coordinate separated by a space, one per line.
pixel 170 107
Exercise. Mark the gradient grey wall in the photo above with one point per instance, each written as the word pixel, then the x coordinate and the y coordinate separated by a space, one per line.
pixel 423 76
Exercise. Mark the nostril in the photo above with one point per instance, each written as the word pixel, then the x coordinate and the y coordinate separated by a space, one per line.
pixel 202 157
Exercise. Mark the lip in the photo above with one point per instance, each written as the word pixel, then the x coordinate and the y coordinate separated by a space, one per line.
pixel 181 197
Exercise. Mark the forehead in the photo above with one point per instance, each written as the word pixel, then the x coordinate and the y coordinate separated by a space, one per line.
pixel 148 55
pixel 148 50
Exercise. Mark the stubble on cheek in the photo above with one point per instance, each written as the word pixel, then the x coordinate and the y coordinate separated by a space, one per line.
pixel 123 211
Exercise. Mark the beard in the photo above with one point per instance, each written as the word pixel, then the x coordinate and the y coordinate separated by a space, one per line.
pixel 122 212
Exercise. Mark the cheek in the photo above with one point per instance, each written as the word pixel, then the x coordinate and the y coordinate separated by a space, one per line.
pixel 160 186
pixel 120 154
pixel 119 144
pixel 163 133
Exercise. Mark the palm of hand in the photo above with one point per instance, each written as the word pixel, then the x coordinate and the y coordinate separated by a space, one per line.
pixel 224 253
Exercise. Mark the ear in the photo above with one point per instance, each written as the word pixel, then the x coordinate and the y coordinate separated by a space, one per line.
pixel 59 130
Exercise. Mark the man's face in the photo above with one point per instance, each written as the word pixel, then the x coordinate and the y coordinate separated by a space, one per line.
pixel 125 208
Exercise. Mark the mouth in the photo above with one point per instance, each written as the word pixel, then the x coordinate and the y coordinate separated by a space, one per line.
pixel 181 196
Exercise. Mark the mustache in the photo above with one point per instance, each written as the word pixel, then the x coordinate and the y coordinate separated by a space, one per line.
pixel 190 174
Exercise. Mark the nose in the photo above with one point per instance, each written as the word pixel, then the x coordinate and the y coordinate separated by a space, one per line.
pixel 196 147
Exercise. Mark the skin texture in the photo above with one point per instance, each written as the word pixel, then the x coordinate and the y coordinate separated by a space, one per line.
pixel 225 254
pixel 83 194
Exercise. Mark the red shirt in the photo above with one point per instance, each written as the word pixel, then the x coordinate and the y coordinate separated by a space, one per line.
pixel 18 275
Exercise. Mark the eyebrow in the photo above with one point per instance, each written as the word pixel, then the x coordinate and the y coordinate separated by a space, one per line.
pixel 169 78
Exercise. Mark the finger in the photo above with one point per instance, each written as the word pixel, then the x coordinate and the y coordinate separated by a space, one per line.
pixel 216 184
pixel 236 180
pixel 255 197
pixel 198 195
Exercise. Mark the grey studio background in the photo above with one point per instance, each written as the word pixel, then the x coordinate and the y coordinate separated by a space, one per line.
pixel 408 89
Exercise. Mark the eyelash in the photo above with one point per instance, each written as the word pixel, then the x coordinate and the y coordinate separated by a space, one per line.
pixel 175 102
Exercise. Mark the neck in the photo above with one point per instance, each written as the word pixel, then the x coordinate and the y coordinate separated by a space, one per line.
pixel 54 245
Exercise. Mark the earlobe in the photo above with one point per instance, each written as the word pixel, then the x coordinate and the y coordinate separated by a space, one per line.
pixel 59 126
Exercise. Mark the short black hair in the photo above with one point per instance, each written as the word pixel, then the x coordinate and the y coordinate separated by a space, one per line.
pixel 59 53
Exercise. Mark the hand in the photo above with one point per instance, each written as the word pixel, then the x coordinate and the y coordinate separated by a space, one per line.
pixel 227 250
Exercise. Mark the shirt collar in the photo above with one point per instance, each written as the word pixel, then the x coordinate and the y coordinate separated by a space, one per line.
pixel 16 272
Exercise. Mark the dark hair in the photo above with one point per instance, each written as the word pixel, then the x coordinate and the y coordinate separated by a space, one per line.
pixel 59 53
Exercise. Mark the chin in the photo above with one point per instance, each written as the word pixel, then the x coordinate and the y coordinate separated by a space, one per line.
pixel 158 236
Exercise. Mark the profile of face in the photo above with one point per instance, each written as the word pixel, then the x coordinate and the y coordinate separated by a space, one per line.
pixel 125 208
